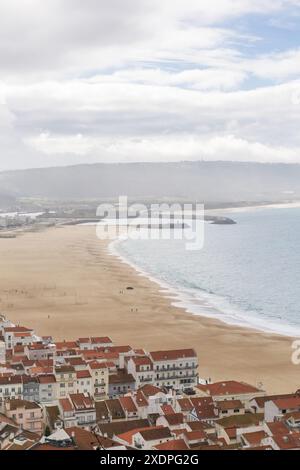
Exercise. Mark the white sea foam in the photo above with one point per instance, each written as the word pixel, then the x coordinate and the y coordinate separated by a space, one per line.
pixel 206 304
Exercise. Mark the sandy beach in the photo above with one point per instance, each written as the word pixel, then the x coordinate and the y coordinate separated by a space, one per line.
pixel 63 282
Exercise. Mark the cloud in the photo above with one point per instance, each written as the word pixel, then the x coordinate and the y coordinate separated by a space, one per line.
pixel 165 148
pixel 144 79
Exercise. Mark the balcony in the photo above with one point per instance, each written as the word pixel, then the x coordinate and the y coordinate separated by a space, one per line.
pixel 177 376
pixel 165 369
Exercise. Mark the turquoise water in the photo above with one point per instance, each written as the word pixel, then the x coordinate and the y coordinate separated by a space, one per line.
pixel 246 274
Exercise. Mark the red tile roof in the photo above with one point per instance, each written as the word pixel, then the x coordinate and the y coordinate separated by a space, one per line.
pixel 155 433
pixel 230 405
pixel 176 444
pixel 128 404
pixel 185 404
pixel 174 419
pixel 172 355
pixel 46 379
pixel 229 387
pixel 287 403
pixel 98 365
pixel 142 361
pixel 167 409
pixel 205 408
pixel 17 329
pixel 128 435
pixel 254 438
pixel 81 401
pixel 278 427
pixel 66 405
pixel 62 345
pixel 83 374
pixel 287 441
pixel 141 400
pixel 101 340
pixel 150 390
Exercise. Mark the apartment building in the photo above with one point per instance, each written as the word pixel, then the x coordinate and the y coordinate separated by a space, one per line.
pixel 27 414
pixel 84 383
pixel 11 388
pixel 141 369
pixel 66 380
pixel 48 389
pixel 18 336
pixel 176 369
pixel 100 376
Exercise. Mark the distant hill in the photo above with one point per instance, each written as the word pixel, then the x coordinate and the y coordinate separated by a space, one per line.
pixel 202 181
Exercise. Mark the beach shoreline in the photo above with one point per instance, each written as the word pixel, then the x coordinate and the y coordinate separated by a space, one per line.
pixel 182 298
pixel 64 282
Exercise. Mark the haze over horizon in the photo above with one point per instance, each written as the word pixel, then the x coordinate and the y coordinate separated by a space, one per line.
pixel 140 80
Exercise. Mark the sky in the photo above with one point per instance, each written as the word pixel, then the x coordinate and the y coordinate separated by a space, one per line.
pixel 148 80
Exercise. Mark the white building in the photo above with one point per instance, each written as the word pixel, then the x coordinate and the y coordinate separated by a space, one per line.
pixel 2 352
pixel 48 392
pixel 176 369
pixel 141 368
pixel 11 387
pixel 279 407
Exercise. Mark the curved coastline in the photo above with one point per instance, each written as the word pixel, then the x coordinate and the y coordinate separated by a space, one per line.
pixel 204 304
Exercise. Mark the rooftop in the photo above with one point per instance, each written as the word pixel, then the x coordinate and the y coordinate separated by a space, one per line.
pixel 172 355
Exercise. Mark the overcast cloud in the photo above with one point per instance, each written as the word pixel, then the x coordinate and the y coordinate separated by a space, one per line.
pixel 148 80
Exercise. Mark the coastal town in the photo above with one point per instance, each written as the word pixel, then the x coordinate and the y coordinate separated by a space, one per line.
pixel 90 394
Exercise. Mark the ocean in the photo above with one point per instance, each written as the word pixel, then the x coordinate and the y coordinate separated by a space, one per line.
pixel 247 274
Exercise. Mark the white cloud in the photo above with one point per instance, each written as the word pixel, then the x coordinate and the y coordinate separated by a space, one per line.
pixel 143 79
pixel 165 148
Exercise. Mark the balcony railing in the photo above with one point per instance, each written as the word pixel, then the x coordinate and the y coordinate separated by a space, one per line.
pixel 176 376
pixel 164 368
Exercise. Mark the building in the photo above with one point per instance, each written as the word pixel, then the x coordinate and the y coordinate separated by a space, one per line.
pixel 129 407
pixel 84 382
pixel 48 391
pixel 28 415
pixel 279 407
pixel 39 351
pixel 11 388
pixel 147 439
pixel 30 388
pixel 18 336
pixel 66 380
pixel 230 390
pixel 141 368
pixel 176 369
pixel 120 384
pixel 85 410
pixel 99 376
pixel 2 350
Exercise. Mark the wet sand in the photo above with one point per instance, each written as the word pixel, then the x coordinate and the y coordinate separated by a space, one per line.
pixel 63 282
